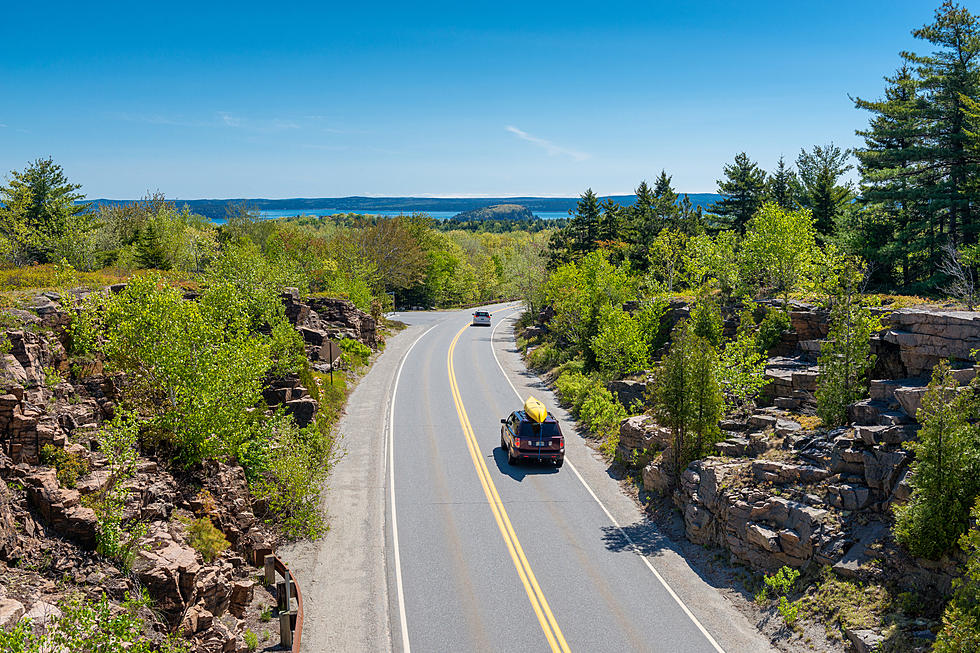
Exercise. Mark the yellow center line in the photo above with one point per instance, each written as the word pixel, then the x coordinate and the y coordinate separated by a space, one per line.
pixel 545 617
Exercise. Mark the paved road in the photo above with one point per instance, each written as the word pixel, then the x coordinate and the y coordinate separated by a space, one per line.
pixel 485 556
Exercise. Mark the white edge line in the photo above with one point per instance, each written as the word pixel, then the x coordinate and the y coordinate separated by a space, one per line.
pixel 633 545
pixel 390 444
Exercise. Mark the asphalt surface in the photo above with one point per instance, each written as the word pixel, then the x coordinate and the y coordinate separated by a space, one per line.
pixel 485 556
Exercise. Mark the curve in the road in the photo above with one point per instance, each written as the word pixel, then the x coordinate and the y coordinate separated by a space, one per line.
pixel 612 519
pixel 539 603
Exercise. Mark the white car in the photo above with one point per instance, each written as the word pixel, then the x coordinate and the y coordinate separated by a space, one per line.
pixel 481 318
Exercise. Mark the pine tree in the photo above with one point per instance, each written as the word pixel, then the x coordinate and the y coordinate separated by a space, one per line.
pixel 642 224
pixel 742 191
pixel 783 186
pixel 40 213
pixel 820 172
pixel 947 76
pixel 895 234
pixel 584 225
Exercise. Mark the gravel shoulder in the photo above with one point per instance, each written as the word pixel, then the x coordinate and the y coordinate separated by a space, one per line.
pixel 343 575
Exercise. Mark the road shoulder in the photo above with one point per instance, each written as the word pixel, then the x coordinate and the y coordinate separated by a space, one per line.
pixel 343 575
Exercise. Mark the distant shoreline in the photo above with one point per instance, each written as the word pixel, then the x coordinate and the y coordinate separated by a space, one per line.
pixel 218 208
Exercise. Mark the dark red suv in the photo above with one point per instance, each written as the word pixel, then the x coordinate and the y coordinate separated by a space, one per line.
pixel 525 439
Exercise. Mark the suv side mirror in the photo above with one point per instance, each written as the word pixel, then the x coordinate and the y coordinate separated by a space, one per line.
pixel 503 420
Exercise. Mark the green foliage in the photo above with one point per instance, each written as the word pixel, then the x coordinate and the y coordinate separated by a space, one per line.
pixel 742 193
pixel 251 640
pixel 780 249
pixel 300 462
pixel 621 345
pixel 70 466
pixel 41 220
pixel 545 357
pixel 742 368
pixel 706 322
pixel 945 475
pixel 601 412
pixel 89 626
pixel 578 292
pixel 689 400
pixel 118 442
pixel 204 537
pixel 845 357
pixel 196 368
pixel 775 323
pixel 51 378
pixel 354 353
pixel 573 389
pixel 961 619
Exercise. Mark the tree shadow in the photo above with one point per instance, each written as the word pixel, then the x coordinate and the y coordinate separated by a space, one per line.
pixel 518 472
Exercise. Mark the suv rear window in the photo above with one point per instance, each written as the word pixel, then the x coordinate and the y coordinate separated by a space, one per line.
pixel 482 314
pixel 535 430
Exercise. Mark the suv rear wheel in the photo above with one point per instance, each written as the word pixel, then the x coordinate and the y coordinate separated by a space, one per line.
pixel 511 458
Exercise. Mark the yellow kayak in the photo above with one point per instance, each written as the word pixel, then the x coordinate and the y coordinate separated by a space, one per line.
pixel 535 410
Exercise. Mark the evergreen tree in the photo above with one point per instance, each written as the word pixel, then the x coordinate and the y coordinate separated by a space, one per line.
pixel 40 213
pixel 945 476
pixel 643 223
pixel 585 224
pixel 947 76
pixel 742 193
pixel 896 234
pixel 820 172
pixel 610 222
pixel 783 186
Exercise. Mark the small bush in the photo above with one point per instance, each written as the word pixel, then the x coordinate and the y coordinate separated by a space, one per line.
pixel 545 357
pixel 204 537
pixel 706 322
pixel 601 411
pixel 251 640
pixel 354 353
pixel 573 387
pixel 69 466
pixel 771 329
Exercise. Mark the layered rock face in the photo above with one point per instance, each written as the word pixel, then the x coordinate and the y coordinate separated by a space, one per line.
pixel 786 495
pixel 46 525
pixel 322 319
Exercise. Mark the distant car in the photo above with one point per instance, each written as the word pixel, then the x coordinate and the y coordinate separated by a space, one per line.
pixel 527 440
pixel 481 318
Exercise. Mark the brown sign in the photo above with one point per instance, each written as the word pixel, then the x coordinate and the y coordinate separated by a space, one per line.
pixel 330 352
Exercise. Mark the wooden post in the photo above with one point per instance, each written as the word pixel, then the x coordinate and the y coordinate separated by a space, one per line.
pixel 270 570
pixel 285 630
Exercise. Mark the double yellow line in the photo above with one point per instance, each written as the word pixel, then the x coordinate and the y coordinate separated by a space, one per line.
pixel 547 620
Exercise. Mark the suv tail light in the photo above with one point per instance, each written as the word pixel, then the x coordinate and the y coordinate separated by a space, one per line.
pixel 517 443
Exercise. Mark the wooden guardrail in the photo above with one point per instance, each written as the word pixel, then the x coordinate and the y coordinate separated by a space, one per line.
pixel 287 589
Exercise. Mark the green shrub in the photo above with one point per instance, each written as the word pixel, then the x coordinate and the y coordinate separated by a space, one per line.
pixel 354 353
pixel 204 537
pixel 88 625
pixel 545 357
pixel 251 640
pixel 961 619
pixel 778 584
pixel 51 377
pixel 117 442
pixel 69 465
pixel 706 322
pixel 600 411
pixel 299 462
pixel 573 387
pixel 620 347
pixel 944 474
pixel 771 329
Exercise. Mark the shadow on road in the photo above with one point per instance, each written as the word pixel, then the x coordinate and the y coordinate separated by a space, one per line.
pixel 518 472
pixel 646 538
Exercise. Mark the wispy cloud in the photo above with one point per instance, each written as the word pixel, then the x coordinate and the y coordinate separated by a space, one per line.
pixel 551 148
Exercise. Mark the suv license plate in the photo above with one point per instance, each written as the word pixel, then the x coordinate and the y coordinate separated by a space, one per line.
pixel 540 444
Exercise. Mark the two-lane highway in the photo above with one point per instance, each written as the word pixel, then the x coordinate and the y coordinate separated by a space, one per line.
pixel 486 556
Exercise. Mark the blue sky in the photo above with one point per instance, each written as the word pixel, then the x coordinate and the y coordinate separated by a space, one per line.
pixel 444 99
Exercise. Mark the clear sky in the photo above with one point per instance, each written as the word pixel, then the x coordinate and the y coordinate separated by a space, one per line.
pixel 276 99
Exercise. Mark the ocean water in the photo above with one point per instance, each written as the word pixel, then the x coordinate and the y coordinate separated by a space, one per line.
pixel 439 215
